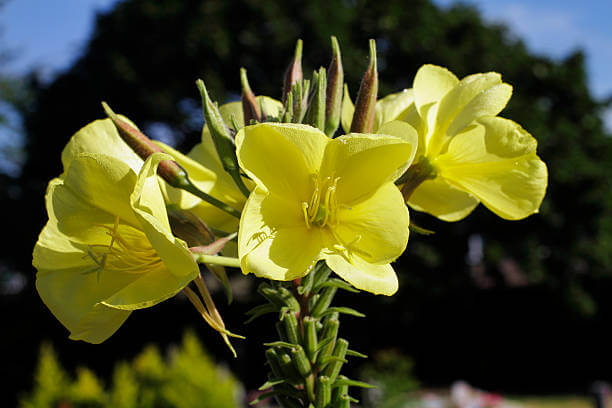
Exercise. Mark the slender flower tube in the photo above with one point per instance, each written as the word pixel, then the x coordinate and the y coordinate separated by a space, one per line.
pixel 317 198
pixel 107 248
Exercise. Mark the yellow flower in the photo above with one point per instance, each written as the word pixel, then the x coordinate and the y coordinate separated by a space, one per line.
pixel 317 198
pixel 220 185
pixel 107 248
pixel 466 153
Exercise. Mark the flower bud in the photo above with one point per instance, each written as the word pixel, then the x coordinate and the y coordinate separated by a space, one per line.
pixel 294 71
pixel 335 80
pixel 250 107
pixel 316 108
pixel 363 118
pixel 169 170
pixel 222 138
pixel 333 368
pixel 323 392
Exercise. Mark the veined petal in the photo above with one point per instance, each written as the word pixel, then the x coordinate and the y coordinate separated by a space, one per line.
pixel 68 285
pixel 101 136
pixel 74 217
pixel 439 198
pixel 377 279
pixel 99 324
pixel 496 161
pixel 431 83
pixel 282 157
pixel 273 240
pixel 102 182
pixel 149 207
pixel 375 229
pixel 362 163
pixel 406 132
pixel 348 110
pixel 478 94
pixel 391 107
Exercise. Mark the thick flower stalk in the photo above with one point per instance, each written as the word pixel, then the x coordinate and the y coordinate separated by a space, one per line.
pixel 335 197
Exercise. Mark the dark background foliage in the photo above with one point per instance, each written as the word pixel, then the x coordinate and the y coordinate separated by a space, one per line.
pixel 528 314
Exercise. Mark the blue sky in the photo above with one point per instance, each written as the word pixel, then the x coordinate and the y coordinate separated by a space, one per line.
pixel 48 35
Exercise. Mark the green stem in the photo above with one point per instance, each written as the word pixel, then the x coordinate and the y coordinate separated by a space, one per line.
pixel 217 260
pixel 187 185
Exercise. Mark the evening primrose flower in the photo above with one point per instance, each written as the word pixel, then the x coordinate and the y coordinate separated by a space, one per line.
pixel 466 153
pixel 319 198
pixel 107 248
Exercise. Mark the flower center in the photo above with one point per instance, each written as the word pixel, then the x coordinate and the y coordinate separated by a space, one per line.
pixel 128 251
pixel 321 210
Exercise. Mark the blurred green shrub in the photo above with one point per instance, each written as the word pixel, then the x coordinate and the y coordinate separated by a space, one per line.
pixel 187 378
pixel 391 372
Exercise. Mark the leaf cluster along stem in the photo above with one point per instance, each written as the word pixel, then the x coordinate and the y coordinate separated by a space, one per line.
pixel 306 361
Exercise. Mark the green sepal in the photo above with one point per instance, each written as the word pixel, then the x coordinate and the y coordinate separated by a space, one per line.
pixel 333 101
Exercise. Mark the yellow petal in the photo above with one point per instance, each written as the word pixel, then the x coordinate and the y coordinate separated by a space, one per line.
pixel 431 83
pixel 99 324
pixel 102 182
pixel 474 96
pixel 391 107
pixel 70 292
pixel 375 229
pixel 363 163
pixel 149 207
pixel 377 279
pixel 160 280
pixel 282 157
pixel 439 198
pixel 406 132
pixel 497 162
pixel 100 136
pixel 273 241
pixel 348 109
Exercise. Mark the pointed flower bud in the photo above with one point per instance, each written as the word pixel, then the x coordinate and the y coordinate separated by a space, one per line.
pixel 335 79
pixel 250 107
pixel 144 147
pixel 316 108
pixel 363 118
pixel 222 137
pixel 294 71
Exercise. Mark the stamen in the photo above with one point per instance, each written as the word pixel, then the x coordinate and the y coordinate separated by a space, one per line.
pixel 128 251
pixel 305 211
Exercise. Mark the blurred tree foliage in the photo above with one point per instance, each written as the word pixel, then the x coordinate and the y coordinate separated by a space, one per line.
pixel 144 57
pixel 188 379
